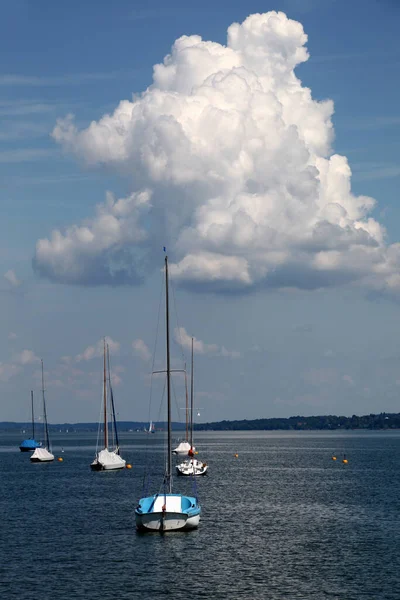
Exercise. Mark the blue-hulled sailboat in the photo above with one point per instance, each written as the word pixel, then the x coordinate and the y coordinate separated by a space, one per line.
pixel 30 444
pixel 166 511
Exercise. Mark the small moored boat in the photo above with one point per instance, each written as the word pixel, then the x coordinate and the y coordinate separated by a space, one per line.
pixel 43 454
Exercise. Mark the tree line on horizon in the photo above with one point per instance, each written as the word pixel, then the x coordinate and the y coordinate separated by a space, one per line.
pixel 297 423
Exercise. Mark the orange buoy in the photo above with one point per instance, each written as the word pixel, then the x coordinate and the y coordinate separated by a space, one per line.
pixel 333 457
pixel 60 459
pixel 236 455
pixel 128 466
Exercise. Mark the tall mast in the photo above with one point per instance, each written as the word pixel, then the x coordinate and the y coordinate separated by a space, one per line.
pixel 169 459
pixel 191 403
pixel 33 418
pixel 187 405
pixel 105 396
pixel 112 400
pixel 46 428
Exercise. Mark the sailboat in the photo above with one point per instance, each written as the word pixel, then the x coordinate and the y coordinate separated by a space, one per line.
pixel 151 428
pixel 183 448
pixel 165 510
pixel 108 460
pixel 192 466
pixel 30 444
pixel 43 454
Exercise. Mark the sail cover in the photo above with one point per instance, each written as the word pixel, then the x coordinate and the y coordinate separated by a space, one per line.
pixel 42 455
pixel 110 460
pixel 182 448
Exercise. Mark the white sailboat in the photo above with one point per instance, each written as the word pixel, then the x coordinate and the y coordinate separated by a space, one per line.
pixel 165 510
pixel 184 447
pixel 43 454
pixel 192 466
pixel 151 428
pixel 108 460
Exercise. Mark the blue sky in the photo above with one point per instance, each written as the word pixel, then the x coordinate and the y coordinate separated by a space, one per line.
pixel 267 350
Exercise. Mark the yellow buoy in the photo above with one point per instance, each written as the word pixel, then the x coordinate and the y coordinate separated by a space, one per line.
pixel 128 466
pixel 333 457
pixel 345 461
pixel 60 459
pixel 236 455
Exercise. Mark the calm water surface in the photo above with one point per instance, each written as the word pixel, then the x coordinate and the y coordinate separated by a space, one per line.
pixel 280 522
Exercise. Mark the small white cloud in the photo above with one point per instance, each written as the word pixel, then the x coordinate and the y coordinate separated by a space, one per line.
pixel 116 379
pixel 229 353
pixel 97 350
pixel 141 350
pixel 199 347
pixel 26 357
pixel 12 279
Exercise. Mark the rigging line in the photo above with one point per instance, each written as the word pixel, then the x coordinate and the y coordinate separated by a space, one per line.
pixel 155 342
pixel 159 416
pixel 99 427
pixel 146 454
pixel 114 425
pixel 177 322
pixel 176 401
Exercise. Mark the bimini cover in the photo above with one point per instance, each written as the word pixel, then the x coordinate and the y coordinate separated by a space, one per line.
pixel 182 448
pixel 111 459
pixel 42 454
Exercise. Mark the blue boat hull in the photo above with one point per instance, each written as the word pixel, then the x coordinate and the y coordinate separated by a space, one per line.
pixel 29 445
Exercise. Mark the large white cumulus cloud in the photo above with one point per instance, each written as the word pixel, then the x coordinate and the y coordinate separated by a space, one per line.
pixel 237 159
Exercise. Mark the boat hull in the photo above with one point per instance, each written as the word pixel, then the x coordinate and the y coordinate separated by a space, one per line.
pixel 166 521
pixel 185 472
pixel 96 466
pixel 149 517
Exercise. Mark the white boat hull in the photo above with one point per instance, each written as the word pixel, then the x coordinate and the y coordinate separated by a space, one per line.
pixel 192 467
pixel 166 513
pixel 166 521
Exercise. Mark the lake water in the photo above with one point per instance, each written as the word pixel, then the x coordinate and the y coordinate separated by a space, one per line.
pixel 280 522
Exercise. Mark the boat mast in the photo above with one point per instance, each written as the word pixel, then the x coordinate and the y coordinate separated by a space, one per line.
pixel 33 419
pixel 112 400
pixel 105 396
pixel 169 458
pixel 46 428
pixel 191 403
pixel 187 405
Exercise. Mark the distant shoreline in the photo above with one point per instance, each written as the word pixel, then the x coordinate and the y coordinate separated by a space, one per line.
pixel 297 423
